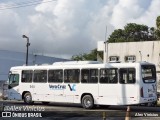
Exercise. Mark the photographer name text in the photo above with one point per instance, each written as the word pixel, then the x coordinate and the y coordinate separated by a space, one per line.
pixel 24 108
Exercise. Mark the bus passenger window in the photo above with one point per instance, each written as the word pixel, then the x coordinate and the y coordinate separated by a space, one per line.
pixel 55 76
pixel 27 76
pixel 108 75
pixel 40 76
pixel 93 75
pixel 127 75
pixel 89 75
pixel 84 76
pixel 71 76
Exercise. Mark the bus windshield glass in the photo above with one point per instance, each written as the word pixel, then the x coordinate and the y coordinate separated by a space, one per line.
pixel 148 73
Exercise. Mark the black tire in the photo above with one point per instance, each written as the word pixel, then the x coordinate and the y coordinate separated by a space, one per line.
pixel 45 103
pixel 154 104
pixel 87 102
pixel 104 106
pixel 28 98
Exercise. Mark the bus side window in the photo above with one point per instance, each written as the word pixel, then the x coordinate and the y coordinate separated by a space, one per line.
pixel 71 75
pixel 40 76
pixel 27 76
pixel 55 76
pixel 108 75
pixel 89 75
pixel 93 75
pixel 103 76
pixel 112 75
pixel 127 75
pixel 84 75
pixel 67 76
pixel 131 75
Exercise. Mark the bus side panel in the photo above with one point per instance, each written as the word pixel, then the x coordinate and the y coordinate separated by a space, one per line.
pixel 127 94
pixel 108 94
pixel 43 92
pixel 70 91
pixel 49 95
pixel 13 94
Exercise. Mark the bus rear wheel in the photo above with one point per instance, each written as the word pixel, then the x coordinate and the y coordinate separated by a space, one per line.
pixel 87 102
pixel 28 98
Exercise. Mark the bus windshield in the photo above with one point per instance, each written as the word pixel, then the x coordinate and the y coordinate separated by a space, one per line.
pixel 148 73
pixel 13 80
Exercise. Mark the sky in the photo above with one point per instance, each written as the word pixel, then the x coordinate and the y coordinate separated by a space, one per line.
pixel 63 28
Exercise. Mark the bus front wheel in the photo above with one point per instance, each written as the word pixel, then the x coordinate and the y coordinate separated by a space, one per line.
pixel 87 102
pixel 28 98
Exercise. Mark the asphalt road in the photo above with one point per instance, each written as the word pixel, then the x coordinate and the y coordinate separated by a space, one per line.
pixel 61 111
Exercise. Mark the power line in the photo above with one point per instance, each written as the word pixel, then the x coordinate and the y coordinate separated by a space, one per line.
pixel 23 4
pixel 18 3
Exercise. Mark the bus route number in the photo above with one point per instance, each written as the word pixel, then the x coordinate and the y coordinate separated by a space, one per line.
pixel 32 86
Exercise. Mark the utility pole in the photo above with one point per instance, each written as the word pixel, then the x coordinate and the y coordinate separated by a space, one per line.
pixel 105 53
pixel 27 45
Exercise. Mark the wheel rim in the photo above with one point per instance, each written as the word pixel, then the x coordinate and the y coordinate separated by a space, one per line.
pixel 87 103
pixel 28 98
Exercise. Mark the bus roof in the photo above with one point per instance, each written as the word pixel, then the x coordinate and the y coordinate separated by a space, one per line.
pixel 80 64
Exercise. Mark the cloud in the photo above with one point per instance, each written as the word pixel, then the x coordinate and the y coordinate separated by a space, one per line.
pixel 126 10
pixel 137 11
pixel 64 28
pixel 72 24
pixel 9 31
pixel 149 16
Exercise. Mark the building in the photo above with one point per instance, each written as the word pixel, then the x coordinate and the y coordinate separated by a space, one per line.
pixel 9 59
pixel 148 51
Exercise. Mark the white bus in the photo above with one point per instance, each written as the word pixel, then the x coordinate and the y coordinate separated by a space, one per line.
pixel 88 83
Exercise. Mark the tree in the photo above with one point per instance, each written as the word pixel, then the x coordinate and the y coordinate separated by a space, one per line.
pixel 157 32
pixel 152 33
pixel 158 22
pixel 132 32
pixel 77 57
pixel 136 32
pixel 158 27
pixel 117 36
pixel 90 56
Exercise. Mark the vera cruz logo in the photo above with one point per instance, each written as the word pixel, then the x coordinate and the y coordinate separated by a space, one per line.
pixel 57 87
pixel 63 87
pixel 72 88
